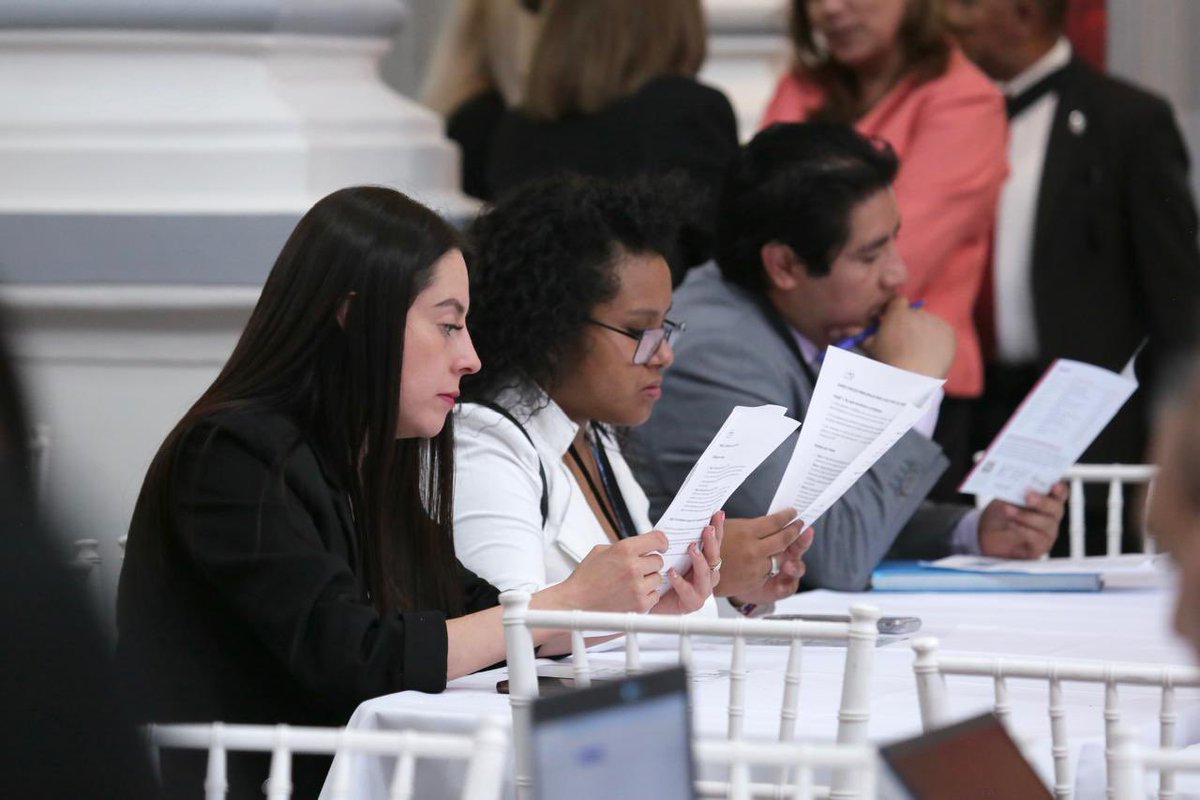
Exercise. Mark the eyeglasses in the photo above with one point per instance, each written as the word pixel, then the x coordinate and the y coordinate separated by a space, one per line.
pixel 648 339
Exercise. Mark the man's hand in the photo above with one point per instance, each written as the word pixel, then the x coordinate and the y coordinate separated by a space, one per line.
pixel 748 547
pixel 912 339
pixel 1008 531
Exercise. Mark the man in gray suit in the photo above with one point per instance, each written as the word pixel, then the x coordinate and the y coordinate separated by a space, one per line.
pixel 805 257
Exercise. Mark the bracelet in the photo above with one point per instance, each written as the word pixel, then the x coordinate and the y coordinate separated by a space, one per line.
pixel 745 609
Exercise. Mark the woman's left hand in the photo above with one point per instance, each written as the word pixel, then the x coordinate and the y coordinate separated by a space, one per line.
pixel 688 594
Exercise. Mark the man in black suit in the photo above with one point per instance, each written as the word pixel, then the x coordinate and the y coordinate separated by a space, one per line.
pixel 1096 237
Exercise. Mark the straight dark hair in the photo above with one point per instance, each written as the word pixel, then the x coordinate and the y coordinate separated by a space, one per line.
pixel 797 184
pixel 364 254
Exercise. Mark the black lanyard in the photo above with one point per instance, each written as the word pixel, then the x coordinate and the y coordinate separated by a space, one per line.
pixel 608 494
pixel 780 326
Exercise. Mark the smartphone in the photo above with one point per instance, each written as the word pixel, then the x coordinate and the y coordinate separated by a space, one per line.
pixel 546 685
pixel 888 626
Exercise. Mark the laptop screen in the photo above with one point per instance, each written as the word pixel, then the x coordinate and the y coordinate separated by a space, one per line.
pixel 974 758
pixel 628 739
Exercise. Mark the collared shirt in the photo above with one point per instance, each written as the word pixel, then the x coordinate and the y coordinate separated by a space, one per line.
pixel 499 533
pixel 965 538
pixel 1016 216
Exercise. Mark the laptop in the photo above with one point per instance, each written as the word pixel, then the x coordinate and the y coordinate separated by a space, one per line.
pixel 629 738
pixel 975 758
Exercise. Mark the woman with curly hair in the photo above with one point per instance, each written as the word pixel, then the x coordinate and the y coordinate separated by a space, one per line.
pixel 572 295
pixel 889 68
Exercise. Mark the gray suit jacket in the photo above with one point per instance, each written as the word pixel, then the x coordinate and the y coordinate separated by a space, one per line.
pixel 736 352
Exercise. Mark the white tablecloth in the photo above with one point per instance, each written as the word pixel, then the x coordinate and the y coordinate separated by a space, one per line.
pixel 1130 626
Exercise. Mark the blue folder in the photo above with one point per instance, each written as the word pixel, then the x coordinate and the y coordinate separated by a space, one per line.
pixel 914 576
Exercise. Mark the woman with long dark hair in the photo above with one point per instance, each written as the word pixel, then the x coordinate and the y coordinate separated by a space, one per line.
pixel 290 554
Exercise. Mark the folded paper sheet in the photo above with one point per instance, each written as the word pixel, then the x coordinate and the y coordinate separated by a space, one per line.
pixel 744 441
pixel 1055 423
pixel 859 409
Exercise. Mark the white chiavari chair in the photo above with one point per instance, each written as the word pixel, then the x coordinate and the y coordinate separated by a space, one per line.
pixel 860 634
pixel 1130 763
pixel 931 667
pixel 801 761
pixel 1116 476
pixel 483 754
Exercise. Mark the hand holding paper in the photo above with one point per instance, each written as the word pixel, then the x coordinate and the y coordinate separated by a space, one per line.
pixel 746 438
pixel 1051 428
pixel 859 409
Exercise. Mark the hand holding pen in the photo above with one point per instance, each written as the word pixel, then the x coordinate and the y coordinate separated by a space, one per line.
pixel 869 331
pixel 908 337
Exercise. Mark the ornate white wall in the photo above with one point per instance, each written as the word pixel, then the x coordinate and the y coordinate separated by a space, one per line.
pixel 155 157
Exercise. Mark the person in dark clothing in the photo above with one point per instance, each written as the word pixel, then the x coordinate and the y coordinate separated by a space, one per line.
pixel 612 93
pixel 67 729
pixel 1096 235
pixel 290 554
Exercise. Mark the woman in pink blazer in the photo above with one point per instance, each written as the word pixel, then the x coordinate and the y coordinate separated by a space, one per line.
pixel 888 68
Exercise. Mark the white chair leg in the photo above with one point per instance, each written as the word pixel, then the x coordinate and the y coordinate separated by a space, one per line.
pixel 854 713
pixel 522 686
pixel 931 686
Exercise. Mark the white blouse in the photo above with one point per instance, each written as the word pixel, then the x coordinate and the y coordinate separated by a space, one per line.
pixel 498 531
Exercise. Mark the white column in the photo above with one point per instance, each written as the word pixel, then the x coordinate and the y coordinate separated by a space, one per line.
pixel 260 106
pixel 748 50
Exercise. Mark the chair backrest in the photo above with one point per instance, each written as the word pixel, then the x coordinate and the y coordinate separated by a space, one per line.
pixel 931 667
pixel 860 634
pixel 484 752
pixel 1116 476
pixel 1130 762
pixel 798 761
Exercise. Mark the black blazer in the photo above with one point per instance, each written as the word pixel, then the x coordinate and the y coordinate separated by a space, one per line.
pixel 672 124
pixel 1115 254
pixel 255 608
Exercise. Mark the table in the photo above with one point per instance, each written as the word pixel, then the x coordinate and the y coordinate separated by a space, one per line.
pixel 1129 625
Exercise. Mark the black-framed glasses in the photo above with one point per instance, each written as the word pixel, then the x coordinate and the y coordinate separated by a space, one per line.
pixel 648 339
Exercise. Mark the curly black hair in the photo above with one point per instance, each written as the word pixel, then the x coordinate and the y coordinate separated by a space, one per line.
pixel 544 256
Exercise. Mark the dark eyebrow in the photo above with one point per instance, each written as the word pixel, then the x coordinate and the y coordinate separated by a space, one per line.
pixel 452 303
pixel 648 312
pixel 875 244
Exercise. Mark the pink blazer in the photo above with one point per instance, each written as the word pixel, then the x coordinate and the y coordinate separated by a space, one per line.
pixel 950 134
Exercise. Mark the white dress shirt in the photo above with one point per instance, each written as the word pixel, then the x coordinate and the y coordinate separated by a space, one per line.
pixel 498 531
pixel 1016 215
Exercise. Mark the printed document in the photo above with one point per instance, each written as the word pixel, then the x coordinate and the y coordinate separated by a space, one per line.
pixel 859 409
pixel 1055 423
pixel 744 441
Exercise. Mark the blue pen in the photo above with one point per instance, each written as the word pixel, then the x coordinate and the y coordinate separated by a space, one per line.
pixel 869 331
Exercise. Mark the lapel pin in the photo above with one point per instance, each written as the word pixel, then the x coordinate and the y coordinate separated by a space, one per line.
pixel 1077 122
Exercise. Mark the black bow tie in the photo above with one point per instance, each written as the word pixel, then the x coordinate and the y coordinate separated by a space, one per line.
pixel 1017 103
